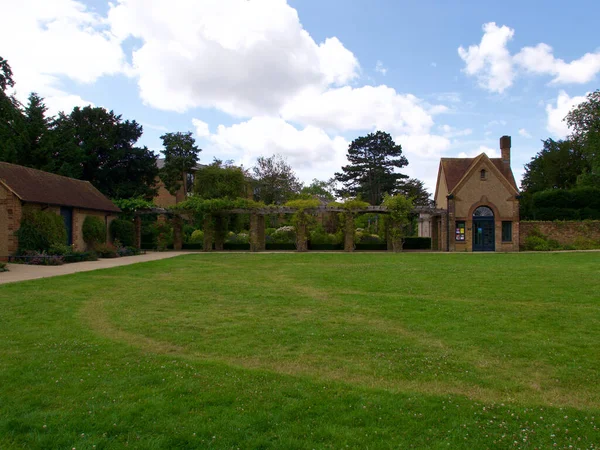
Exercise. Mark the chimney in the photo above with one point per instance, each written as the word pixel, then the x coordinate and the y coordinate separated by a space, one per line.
pixel 505 150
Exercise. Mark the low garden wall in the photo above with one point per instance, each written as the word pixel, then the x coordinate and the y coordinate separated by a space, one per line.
pixel 567 233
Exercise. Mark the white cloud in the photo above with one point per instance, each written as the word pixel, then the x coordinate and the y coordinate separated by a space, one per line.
pixel 433 64
pixel 362 109
pixel 243 57
pixel 492 153
pixel 495 123
pixel 451 132
pixel 523 132
pixel 310 151
pixel 490 61
pixel 379 67
pixel 556 114
pixel 46 41
pixel 494 66
pixel 540 60
pixel 202 129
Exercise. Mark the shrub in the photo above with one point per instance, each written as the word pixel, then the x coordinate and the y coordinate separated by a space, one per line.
pixel 3 267
pixel 370 239
pixel 37 258
pixel 74 257
pixel 59 249
pixel 40 230
pixel 283 235
pixel 164 238
pixel 106 251
pixel 197 237
pixel 94 230
pixel 583 243
pixel 240 238
pixel 124 231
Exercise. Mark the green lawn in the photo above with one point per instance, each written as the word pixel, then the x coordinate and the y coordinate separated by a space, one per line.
pixel 306 351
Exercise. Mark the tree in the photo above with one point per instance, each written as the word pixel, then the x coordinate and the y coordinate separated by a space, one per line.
pixel 98 146
pixel 556 166
pixel 181 158
pixel 11 116
pixel 275 180
pixel 415 190
pixel 219 180
pixel 322 189
pixel 584 120
pixel 36 150
pixel 370 173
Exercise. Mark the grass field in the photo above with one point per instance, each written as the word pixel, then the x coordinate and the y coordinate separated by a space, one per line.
pixel 306 351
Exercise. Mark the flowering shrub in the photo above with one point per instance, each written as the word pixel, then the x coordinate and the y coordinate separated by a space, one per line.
pixel 283 235
pixel 36 258
pixel 240 238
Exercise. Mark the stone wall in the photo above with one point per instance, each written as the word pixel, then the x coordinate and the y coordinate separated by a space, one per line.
pixel 565 232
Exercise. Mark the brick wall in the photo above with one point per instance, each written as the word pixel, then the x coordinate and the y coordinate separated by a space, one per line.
pixel 565 232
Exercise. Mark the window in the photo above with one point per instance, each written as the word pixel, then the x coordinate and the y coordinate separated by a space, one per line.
pixel 506 231
pixel 483 211
pixel 460 231
pixel 482 174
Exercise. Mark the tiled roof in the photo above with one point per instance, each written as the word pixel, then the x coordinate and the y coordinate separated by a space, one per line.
pixel 455 169
pixel 36 186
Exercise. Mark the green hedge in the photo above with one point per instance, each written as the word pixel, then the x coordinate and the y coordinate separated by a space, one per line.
pixel 94 230
pixel 41 230
pixel 192 246
pixel 278 246
pixel 417 243
pixel 124 231
pixel 561 204
pixel 312 246
pixel 372 246
pixel 236 246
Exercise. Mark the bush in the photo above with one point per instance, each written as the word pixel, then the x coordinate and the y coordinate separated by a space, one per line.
pixel 583 243
pixel 37 258
pixel 417 243
pixel 124 231
pixel 240 238
pixel 3 267
pixel 283 235
pixel 106 251
pixel 94 230
pixel 197 237
pixel 73 257
pixel 164 239
pixel 41 230
pixel 370 239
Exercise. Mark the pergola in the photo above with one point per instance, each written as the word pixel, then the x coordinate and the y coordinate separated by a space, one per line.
pixel 257 224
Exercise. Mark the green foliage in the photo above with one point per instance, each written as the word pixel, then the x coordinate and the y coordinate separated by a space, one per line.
pixel 560 204
pixel 322 189
pixel 3 267
pixel 181 157
pixel 237 238
pixel 400 209
pixel 275 180
pixel 131 205
pixel 320 237
pixel 416 191
pixel 94 230
pixel 218 180
pixel 371 172
pixel 124 231
pixel 201 206
pixel 164 237
pixel 96 145
pixel 539 242
pixel 40 230
pixel 282 235
pixel 106 251
pixel 197 237
pixel 303 204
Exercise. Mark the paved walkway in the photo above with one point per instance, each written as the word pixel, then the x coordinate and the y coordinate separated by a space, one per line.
pixel 23 272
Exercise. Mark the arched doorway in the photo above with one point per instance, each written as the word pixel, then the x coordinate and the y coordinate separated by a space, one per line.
pixel 484 239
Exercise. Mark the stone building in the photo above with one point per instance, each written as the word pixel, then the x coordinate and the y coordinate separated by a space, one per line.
pixel 164 198
pixel 478 200
pixel 22 187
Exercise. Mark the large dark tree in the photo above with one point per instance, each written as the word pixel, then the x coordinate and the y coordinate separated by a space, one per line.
pixel 98 146
pixel 556 166
pixel 275 180
pixel 584 120
pixel 11 116
pixel 36 150
pixel 181 158
pixel 371 172
pixel 415 189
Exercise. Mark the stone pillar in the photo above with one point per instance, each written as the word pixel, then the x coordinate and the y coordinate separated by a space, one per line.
pixel 257 233
pixel 219 233
pixel 349 232
pixel 209 232
pixel 137 238
pixel 177 233
pixel 301 238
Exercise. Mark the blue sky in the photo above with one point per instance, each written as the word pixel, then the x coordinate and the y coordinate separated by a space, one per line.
pixel 303 78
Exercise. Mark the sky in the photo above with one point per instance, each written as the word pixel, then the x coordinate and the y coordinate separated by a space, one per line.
pixel 303 78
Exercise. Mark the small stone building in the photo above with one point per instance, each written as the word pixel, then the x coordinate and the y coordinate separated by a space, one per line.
pixel 73 199
pixel 478 202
